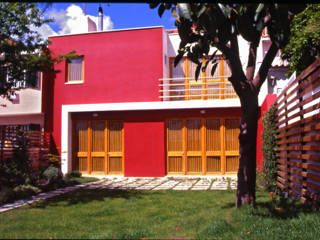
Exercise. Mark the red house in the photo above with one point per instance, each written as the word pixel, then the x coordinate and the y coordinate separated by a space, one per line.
pixel 122 108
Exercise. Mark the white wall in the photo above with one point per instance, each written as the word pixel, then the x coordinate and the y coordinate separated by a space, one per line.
pixel 25 107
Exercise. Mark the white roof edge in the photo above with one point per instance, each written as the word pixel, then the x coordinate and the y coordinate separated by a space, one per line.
pixel 112 30
pixel 163 105
pixel 22 114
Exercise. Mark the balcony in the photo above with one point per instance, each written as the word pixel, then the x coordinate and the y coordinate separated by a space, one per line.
pixel 187 88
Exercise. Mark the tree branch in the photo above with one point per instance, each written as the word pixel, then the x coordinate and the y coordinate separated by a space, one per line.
pixel 264 68
pixel 251 67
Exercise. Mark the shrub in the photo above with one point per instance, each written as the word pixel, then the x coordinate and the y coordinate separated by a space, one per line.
pixel 54 160
pixel 269 148
pixel 73 174
pixel 26 190
pixel 52 174
pixel 6 194
pixel 16 170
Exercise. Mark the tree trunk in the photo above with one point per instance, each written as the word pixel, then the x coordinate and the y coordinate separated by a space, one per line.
pixel 247 140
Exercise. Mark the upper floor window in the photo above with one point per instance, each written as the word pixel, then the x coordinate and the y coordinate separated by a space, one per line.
pixel 75 72
pixel 182 84
pixel 30 78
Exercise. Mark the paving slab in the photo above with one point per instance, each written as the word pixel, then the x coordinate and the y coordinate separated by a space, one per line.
pixel 202 184
pixel 185 185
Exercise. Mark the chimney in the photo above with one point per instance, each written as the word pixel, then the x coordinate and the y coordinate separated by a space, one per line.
pixel 100 19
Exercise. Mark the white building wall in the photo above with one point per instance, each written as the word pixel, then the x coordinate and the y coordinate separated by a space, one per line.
pixel 25 107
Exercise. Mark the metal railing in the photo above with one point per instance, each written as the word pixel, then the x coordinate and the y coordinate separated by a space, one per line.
pixel 205 88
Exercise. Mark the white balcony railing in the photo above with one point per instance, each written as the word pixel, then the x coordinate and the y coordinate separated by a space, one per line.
pixel 206 88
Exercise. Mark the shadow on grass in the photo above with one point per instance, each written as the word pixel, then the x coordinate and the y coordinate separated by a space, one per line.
pixel 268 209
pixel 289 209
pixel 89 195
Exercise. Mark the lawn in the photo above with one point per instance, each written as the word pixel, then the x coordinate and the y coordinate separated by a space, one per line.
pixel 158 214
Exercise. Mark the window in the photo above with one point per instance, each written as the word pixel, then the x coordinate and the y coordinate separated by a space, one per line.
pixel 183 85
pixel 75 70
pixel 30 78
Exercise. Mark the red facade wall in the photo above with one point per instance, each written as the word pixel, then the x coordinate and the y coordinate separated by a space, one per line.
pixel 144 135
pixel 268 101
pixel 144 154
pixel 119 66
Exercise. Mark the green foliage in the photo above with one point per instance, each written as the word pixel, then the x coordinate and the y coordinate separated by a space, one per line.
pixel 20 46
pixel 6 194
pixel 52 174
pixel 304 44
pixel 16 170
pixel 25 191
pixel 73 174
pixel 201 25
pixel 22 50
pixel 269 148
pixel 54 160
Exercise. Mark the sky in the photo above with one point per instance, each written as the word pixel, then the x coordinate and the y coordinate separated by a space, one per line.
pixel 70 17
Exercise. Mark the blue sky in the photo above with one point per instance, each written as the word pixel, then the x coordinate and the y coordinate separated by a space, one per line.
pixel 122 15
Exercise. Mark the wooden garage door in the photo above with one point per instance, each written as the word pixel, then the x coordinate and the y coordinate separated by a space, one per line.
pixel 202 146
pixel 98 147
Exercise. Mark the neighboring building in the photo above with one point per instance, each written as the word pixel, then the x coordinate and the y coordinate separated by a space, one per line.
pixel 122 108
pixel 25 108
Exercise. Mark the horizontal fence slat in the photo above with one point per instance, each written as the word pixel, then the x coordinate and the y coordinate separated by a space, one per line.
pixel 38 144
pixel 301 113
pixel 307 166
pixel 298 136
pixel 302 130
pixel 300 139
pixel 299 148
pixel 310 70
pixel 299 156
pixel 300 95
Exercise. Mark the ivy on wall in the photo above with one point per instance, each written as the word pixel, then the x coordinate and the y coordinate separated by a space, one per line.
pixel 269 148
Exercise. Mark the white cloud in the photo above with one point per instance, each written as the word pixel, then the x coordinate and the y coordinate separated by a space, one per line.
pixel 72 20
pixel 45 31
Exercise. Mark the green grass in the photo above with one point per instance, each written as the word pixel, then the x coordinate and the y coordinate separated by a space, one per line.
pixel 158 214
pixel 80 180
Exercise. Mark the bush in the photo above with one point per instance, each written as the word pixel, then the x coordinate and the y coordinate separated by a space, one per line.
pixel 16 170
pixel 54 160
pixel 74 174
pixel 269 148
pixel 25 191
pixel 52 174
pixel 6 194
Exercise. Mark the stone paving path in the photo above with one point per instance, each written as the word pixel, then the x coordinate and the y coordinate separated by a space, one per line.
pixel 138 183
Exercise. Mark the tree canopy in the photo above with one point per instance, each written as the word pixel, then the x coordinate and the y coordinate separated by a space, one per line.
pixel 22 50
pixel 204 25
pixel 304 43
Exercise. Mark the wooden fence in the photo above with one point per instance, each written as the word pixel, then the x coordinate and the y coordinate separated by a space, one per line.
pixel 298 136
pixel 38 145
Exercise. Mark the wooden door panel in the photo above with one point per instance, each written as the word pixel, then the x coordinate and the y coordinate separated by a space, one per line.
pixel 213 146
pixel 81 146
pixel 115 152
pixel 232 144
pixel 175 164
pixel 200 146
pixel 175 150
pixel 98 146
pixel 213 164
